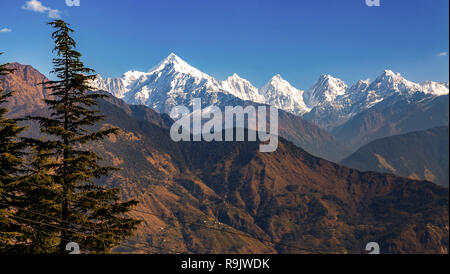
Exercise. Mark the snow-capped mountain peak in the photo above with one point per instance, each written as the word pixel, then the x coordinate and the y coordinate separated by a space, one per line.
pixel 326 89
pixel 236 78
pixel 389 83
pixel 278 84
pixel 390 73
pixel 173 63
pixel 174 82
pixel 277 78
pixel 281 94
pixel 434 88
pixel 241 88
pixel 133 74
pixel 359 87
pixel 390 76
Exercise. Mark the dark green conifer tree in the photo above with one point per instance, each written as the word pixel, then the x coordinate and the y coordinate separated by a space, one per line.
pixel 89 214
pixel 38 205
pixel 10 168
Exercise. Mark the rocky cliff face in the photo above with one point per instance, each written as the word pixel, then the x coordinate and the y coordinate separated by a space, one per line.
pixel 26 81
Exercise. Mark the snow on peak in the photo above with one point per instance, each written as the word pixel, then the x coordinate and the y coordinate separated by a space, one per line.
pixel 279 81
pixel 173 56
pixel 241 88
pixel 173 59
pixel 133 74
pixel 173 81
pixel 326 89
pixel 278 84
pixel 281 94
pixel 277 92
pixel 389 83
pixel 359 86
pixel 434 88
pixel 173 63
pixel 390 73
pixel 277 78
pixel 235 77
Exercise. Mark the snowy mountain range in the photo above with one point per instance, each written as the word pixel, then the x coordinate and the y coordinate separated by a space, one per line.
pixel 329 103
pixel 173 82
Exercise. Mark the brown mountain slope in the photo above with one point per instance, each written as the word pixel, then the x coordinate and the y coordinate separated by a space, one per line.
pixel 26 81
pixel 305 201
pixel 287 197
pixel 290 201
pixel 417 155
pixel 311 137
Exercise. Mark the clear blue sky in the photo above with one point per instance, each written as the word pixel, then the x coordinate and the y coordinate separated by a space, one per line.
pixel 254 38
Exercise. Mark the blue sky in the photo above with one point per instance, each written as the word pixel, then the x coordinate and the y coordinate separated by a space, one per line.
pixel 255 38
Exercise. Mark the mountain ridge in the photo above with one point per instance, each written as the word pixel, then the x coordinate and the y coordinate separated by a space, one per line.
pixel 294 128
pixel 394 116
pixel 328 94
pixel 419 155
pixel 289 197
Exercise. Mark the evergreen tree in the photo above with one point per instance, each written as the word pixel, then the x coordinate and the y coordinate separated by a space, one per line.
pixel 38 205
pixel 10 168
pixel 89 214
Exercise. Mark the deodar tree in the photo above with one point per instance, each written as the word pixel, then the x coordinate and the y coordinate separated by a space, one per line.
pixel 11 160
pixel 81 211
